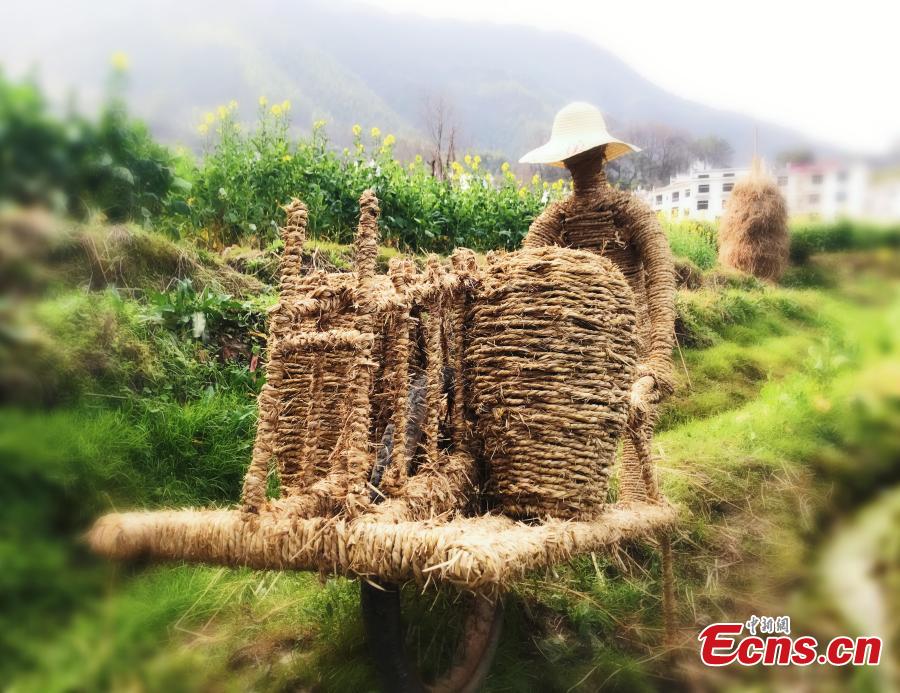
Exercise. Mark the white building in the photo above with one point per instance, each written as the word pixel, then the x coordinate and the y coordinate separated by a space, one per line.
pixel 884 196
pixel 699 194
pixel 824 190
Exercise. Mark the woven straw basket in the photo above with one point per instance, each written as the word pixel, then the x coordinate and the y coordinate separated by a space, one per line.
pixel 552 358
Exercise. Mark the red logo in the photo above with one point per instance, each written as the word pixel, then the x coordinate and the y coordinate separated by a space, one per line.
pixel 722 644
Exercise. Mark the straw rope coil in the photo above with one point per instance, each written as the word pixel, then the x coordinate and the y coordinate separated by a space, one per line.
pixel 294 235
pixel 269 400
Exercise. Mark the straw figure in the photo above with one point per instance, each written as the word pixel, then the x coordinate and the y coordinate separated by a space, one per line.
pixel 753 234
pixel 615 224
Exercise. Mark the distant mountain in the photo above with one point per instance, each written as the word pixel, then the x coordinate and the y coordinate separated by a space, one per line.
pixel 350 64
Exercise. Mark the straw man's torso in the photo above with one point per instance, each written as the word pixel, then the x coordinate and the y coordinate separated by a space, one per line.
pixel 620 227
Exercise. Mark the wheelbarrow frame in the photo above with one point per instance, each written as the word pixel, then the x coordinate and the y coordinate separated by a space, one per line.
pixel 336 417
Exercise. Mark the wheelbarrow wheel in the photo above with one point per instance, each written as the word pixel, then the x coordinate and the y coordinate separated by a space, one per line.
pixel 382 618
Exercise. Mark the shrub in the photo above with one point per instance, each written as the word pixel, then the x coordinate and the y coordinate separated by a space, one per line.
pixel 57 348
pixel 245 176
pixel 204 314
pixel 816 237
pixel 209 341
pixel 78 165
pixel 687 274
pixel 693 240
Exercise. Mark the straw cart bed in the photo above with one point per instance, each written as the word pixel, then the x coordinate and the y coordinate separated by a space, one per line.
pixel 353 359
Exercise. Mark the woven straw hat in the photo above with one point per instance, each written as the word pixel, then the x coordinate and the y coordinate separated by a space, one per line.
pixel 577 128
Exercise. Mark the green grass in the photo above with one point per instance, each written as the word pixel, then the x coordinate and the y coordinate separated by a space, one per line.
pixel 76 341
pixel 209 628
pixel 62 468
pixel 728 375
pixel 710 316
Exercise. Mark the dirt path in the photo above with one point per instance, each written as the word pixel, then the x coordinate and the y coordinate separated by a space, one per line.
pixel 849 571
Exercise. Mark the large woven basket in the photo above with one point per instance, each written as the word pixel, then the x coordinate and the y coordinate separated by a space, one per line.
pixel 552 358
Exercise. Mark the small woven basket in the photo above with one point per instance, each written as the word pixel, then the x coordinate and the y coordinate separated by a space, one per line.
pixel 552 358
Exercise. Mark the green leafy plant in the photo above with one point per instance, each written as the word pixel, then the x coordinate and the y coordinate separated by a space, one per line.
pixel 201 313
pixel 694 240
pixel 246 176
pixel 211 340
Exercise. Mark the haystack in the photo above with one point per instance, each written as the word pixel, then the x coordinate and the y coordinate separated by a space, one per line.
pixel 753 235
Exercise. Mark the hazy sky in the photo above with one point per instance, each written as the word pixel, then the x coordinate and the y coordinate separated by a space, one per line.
pixel 825 68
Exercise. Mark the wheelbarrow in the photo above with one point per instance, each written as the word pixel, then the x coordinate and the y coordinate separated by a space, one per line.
pixel 388 431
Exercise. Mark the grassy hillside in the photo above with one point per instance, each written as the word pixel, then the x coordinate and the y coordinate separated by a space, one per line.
pixel 129 375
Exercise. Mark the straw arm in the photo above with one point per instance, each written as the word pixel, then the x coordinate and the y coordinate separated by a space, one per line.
pixel 547 228
pixel 659 281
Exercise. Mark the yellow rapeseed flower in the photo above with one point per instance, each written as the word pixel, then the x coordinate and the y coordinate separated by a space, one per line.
pixel 468 159
pixel 457 167
pixel 535 179
pixel 375 132
pixel 286 157
pixel 357 129
pixel 319 124
pixel 522 192
pixel 505 167
pixel 546 185
pixel 476 160
pixel 285 105
pixel 209 118
pixel 418 158
pixel 276 110
pixel 263 101
pixel 222 112
pixel 203 128
pixel 120 61
pixel 232 105
pixel 389 140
